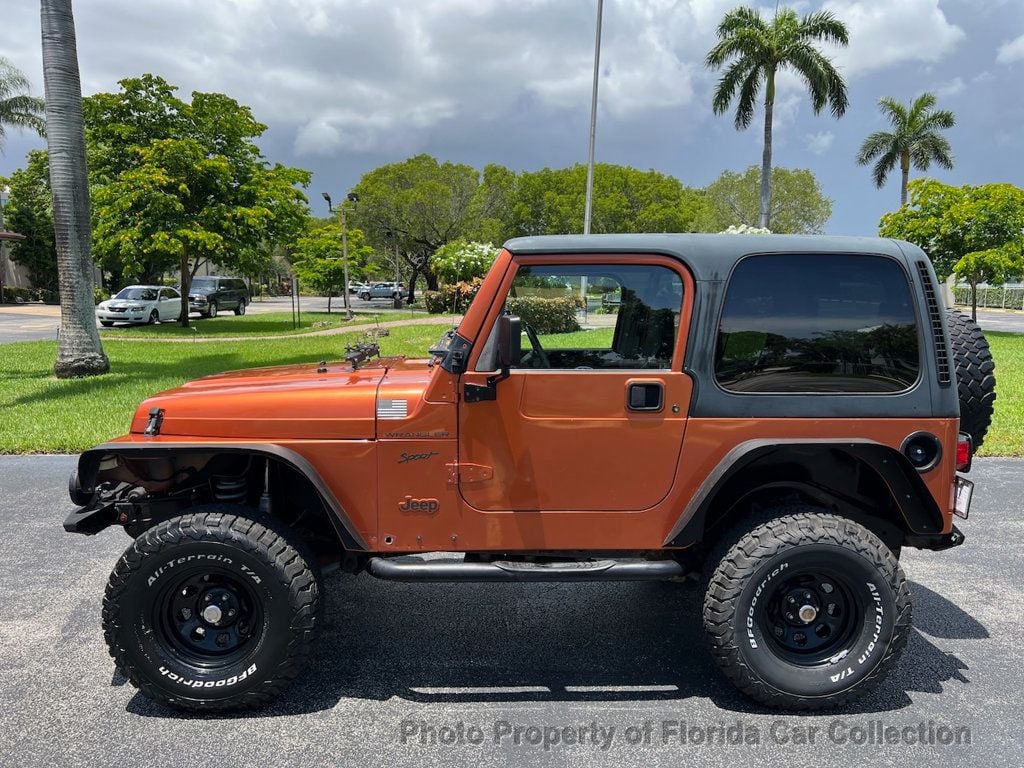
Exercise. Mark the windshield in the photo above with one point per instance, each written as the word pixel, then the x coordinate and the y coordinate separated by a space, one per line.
pixel 203 283
pixel 137 294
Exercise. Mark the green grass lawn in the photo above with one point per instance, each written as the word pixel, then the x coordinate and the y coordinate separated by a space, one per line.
pixel 269 324
pixel 39 413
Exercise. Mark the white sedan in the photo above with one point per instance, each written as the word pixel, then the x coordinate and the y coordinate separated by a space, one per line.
pixel 140 304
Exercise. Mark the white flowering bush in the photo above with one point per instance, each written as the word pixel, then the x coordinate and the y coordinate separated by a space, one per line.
pixel 461 260
pixel 746 229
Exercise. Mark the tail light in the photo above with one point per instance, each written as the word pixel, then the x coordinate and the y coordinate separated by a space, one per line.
pixel 964 452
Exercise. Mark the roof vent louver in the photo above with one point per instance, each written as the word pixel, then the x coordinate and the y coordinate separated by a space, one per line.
pixel 935 321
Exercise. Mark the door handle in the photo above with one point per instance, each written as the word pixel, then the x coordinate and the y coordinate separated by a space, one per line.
pixel 645 396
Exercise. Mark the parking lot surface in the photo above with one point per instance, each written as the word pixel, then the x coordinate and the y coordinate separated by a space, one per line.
pixel 540 674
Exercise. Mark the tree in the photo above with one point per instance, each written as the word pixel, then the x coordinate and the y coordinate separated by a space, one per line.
pixel 180 184
pixel 464 260
pixel 914 139
pixel 974 232
pixel 317 256
pixel 550 201
pixel 29 211
pixel 18 109
pixel 753 51
pixel 79 352
pixel 417 205
pixel 798 205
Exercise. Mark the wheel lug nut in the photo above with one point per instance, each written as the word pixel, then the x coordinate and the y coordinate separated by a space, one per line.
pixel 789 615
pixel 800 637
pixel 224 598
pixel 807 595
pixel 201 631
pixel 791 600
pixel 778 631
pixel 231 612
pixel 207 599
pixel 222 639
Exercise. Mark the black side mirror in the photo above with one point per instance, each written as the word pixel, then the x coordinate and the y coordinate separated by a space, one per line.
pixel 510 342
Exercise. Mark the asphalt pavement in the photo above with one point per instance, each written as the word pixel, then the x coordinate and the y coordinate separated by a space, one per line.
pixel 415 674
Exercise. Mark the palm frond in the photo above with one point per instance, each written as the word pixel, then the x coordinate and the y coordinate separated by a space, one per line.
pixel 729 83
pixel 894 111
pixel 740 18
pixel 930 148
pixel 882 169
pixel 748 98
pixel 941 119
pixel 12 79
pixel 823 26
pixel 921 106
pixel 875 145
pixel 823 80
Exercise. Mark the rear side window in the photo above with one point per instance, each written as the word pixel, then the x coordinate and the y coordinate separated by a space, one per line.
pixel 815 323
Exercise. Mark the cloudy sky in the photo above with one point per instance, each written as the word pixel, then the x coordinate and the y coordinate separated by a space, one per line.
pixel 346 85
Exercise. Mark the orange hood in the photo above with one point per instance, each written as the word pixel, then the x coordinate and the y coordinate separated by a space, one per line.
pixel 283 402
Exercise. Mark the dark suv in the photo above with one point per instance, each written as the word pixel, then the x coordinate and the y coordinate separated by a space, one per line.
pixel 209 295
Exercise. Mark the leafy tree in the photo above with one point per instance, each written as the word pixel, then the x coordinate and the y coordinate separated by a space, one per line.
pixel 417 205
pixel 317 256
pixel 463 260
pixel 29 211
pixel 975 232
pixel 753 51
pixel 921 223
pixel 798 205
pixel 551 201
pixel 79 352
pixel 915 139
pixel 180 184
pixel 18 109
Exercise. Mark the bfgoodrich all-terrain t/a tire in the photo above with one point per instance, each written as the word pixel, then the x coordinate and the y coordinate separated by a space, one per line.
pixel 806 610
pixel 212 610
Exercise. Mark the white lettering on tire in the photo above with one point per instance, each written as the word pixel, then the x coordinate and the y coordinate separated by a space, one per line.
pixel 189 683
pixel 753 603
pixel 171 564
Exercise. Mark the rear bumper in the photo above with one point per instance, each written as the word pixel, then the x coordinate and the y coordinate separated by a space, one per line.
pixel 936 541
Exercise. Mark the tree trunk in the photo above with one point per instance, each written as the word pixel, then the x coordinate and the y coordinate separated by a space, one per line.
pixel 905 169
pixel 413 277
pixel 974 300
pixel 79 352
pixel 765 218
pixel 186 286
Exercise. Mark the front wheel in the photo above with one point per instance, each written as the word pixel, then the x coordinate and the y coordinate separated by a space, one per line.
pixel 807 610
pixel 212 610
pixel 240 309
pixel 364 296
pixel 212 309
pixel 154 316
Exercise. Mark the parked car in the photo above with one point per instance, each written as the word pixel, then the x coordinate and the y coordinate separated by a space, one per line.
pixel 383 291
pixel 209 295
pixel 140 304
pixel 358 288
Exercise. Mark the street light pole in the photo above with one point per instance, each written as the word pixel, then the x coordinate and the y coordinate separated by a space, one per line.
pixel 353 198
pixel 593 120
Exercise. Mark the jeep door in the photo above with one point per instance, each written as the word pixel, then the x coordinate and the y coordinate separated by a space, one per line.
pixel 592 414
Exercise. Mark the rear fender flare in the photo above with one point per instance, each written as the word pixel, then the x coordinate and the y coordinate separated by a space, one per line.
pixel 920 514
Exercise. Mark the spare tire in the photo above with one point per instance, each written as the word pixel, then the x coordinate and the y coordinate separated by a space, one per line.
pixel 975 374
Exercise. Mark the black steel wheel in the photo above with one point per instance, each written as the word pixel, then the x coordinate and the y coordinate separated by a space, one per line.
pixel 212 610
pixel 805 609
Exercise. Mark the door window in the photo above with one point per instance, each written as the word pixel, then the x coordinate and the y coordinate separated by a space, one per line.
pixel 591 317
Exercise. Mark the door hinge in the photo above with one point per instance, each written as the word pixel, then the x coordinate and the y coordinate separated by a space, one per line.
pixel 462 472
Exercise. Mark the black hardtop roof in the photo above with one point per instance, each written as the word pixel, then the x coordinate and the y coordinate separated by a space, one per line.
pixel 709 256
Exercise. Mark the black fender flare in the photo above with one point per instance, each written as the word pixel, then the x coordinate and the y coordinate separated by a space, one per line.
pixel 921 515
pixel 89 464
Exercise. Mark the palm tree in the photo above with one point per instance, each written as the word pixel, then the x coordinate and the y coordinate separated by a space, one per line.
pixel 915 138
pixel 17 108
pixel 756 51
pixel 79 352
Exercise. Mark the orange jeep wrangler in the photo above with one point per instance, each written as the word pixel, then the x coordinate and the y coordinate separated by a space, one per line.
pixel 775 416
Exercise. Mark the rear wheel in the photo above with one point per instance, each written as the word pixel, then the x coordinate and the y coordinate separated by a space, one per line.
pixel 364 296
pixel 212 610
pixel 240 309
pixel 807 610
pixel 975 374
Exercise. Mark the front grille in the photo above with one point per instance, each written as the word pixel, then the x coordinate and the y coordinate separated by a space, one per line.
pixel 935 321
pixel 119 309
